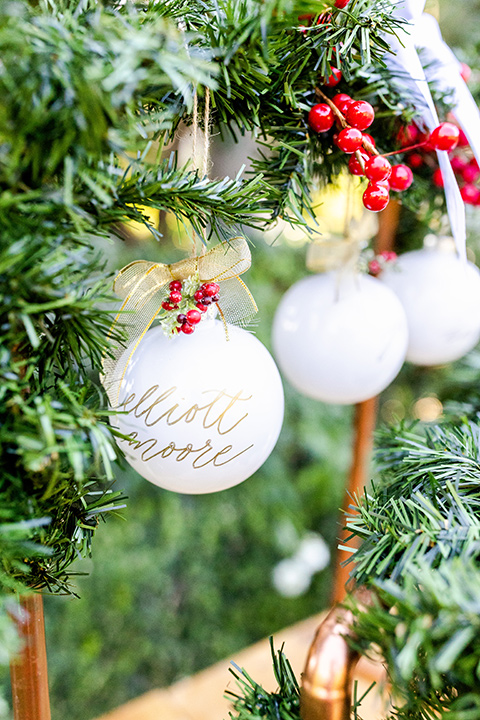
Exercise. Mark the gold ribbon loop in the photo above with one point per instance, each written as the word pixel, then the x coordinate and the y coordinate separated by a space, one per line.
pixel 144 286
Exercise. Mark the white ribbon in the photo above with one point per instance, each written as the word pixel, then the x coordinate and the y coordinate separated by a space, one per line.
pixel 443 69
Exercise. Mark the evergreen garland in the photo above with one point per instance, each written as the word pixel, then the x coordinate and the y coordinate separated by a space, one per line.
pixel 419 527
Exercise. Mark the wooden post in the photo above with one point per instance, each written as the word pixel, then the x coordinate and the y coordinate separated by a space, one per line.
pixel 365 413
pixel 28 671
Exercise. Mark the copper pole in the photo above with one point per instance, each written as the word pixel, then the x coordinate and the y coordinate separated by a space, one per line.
pixel 365 418
pixel 387 227
pixel 365 414
pixel 28 671
pixel 327 680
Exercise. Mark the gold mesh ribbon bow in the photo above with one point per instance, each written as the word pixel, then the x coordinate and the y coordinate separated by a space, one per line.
pixel 144 286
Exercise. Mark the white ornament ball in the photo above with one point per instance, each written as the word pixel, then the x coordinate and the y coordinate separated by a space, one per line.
pixel 203 412
pixel 441 297
pixel 340 338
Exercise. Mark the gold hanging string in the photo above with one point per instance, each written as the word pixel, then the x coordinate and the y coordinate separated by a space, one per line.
pixel 144 286
pixel 205 154
pixel 194 157
pixel 206 125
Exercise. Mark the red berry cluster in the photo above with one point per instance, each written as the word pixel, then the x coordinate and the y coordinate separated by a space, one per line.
pixel 464 165
pixel 204 296
pixel 352 117
pixel 379 262
pixel 175 297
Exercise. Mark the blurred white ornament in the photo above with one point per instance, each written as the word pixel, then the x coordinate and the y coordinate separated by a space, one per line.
pixel 340 337
pixel 313 552
pixel 441 297
pixel 293 576
pixel 203 413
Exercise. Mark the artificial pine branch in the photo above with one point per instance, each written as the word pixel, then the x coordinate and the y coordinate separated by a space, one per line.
pixel 426 629
pixel 253 702
pixel 419 527
pixel 426 506
pixel 222 205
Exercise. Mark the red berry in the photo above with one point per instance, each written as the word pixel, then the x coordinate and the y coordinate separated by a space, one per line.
pixel 378 168
pixel 187 328
pixel 374 267
pixel 341 3
pixel 193 317
pixel 166 305
pixel 175 296
pixel 342 101
pixel 354 164
pixel 415 160
pixel 458 163
pixel 470 173
pixel 401 178
pixel 369 138
pixel 360 115
pixel 470 194
pixel 199 295
pixel 408 135
pixel 320 117
pixel 444 137
pixel 437 178
pixel 215 298
pixel 176 285
pixel 210 289
pixel 181 318
pixel 465 71
pixel 388 255
pixel 334 78
pixel 376 197
pixel 203 308
pixel 462 139
pixel 349 140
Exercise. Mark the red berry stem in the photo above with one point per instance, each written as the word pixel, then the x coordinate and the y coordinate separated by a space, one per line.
pixel 406 149
pixel 361 161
